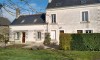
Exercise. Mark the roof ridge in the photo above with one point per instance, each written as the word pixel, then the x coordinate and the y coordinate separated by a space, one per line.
pixel 32 14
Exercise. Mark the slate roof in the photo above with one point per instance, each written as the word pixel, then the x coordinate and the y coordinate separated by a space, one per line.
pixel 4 21
pixel 29 19
pixel 67 3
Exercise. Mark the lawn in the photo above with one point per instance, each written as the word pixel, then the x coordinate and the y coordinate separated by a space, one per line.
pixel 27 54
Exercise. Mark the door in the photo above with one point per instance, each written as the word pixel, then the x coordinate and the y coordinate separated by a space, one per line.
pixel 23 37
pixel 53 35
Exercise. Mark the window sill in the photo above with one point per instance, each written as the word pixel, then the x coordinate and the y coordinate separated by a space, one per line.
pixel 16 39
pixel 53 23
pixel 85 22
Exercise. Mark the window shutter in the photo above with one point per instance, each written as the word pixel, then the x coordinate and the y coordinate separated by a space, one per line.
pixel 34 34
pixel 86 16
pixel 82 16
pixel 42 35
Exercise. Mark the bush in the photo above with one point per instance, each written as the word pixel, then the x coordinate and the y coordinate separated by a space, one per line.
pixel 81 42
pixel 47 39
pixel 65 41
pixel 77 42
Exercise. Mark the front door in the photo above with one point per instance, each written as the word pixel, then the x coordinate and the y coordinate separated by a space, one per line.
pixel 53 35
pixel 23 37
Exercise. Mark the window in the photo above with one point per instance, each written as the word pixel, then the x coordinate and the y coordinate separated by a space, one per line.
pixel 16 35
pixel 89 31
pixel 22 21
pixel 58 4
pixel 53 18
pixel 61 31
pixel 83 1
pixel 79 31
pixel 85 16
pixel 39 35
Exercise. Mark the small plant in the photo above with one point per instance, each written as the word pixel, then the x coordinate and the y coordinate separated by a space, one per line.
pixel 47 39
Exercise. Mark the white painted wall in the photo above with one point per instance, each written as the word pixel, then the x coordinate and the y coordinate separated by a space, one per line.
pixel 30 33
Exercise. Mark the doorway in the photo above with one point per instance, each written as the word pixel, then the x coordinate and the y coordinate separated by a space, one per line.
pixel 23 37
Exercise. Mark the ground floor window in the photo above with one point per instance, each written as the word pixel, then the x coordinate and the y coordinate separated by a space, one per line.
pixel 39 35
pixel 79 31
pixel 88 31
pixel 16 35
pixel 61 31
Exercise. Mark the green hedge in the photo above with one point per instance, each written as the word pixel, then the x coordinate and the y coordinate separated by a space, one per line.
pixel 81 42
pixel 65 41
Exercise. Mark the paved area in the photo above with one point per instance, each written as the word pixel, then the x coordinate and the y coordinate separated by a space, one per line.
pixel 35 45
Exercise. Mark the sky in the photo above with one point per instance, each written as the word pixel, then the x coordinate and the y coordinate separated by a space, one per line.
pixel 37 5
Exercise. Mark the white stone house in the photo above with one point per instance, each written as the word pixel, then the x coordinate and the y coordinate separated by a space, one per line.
pixel 73 16
pixel 62 16
pixel 28 29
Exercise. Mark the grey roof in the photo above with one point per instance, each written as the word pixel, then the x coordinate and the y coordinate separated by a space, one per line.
pixel 66 3
pixel 4 21
pixel 29 19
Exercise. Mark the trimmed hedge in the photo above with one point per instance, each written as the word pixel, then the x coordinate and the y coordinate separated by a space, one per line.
pixel 80 42
pixel 65 41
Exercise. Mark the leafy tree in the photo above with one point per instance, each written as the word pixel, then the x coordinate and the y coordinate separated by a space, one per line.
pixel 4 34
pixel 47 39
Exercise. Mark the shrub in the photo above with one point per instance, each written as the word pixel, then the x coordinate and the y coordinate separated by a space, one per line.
pixel 65 41
pixel 47 39
pixel 81 42
pixel 77 42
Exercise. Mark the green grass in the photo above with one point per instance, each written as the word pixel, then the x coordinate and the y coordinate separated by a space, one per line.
pixel 26 54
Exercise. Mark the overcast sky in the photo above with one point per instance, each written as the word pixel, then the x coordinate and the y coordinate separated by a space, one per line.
pixel 38 5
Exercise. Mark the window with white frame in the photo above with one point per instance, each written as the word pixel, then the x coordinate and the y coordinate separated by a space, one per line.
pixel 85 16
pixel 16 35
pixel 53 17
pixel 88 31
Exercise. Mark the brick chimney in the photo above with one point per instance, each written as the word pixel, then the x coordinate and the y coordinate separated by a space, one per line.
pixel 17 12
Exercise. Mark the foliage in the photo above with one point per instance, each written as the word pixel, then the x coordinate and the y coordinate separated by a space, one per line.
pixel 81 42
pixel 65 41
pixel 4 34
pixel 77 42
pixel 47 39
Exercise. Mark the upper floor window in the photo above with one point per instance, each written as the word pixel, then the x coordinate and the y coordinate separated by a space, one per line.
pixel 85 16
pixel 53 17
pixel 89 31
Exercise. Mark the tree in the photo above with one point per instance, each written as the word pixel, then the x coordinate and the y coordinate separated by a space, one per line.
pixel 47 39
pixel 4 30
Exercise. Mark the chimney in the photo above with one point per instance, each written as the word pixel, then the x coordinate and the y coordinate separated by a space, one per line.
pixel 17 12
pixel 50 1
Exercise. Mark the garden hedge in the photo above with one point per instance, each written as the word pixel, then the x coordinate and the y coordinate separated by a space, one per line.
pixel 80 42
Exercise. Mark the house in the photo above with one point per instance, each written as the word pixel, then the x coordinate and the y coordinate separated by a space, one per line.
pixel 28 29
pixel 73 16
pixel 62 16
